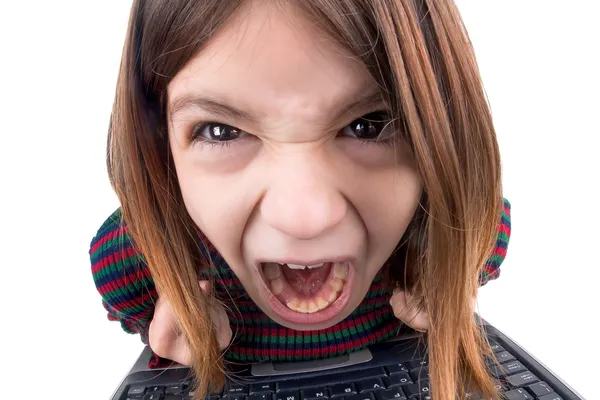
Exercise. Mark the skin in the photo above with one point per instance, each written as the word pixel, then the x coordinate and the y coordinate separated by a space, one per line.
pixel 297 185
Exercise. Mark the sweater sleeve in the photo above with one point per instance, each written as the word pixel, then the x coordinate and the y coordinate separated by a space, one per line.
pixel 122 277
pixel 491 269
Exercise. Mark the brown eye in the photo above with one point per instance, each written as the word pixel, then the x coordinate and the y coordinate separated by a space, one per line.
pixel 369 127
pixel 214 132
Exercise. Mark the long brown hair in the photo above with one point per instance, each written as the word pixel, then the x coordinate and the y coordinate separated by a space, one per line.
pixel 419 53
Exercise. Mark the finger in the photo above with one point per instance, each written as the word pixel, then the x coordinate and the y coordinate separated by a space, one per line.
pixel 164 324
pixel 164 336
pixel 205 286
pixel 409 315
pixel 219 318
pixel 222 327
pixel 181 351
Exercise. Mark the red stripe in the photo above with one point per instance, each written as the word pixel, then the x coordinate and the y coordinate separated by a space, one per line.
pixel 119 283
pixel 107 236
pixel 504 228
pixel 499 251
pixel 136 303
pixel 114 258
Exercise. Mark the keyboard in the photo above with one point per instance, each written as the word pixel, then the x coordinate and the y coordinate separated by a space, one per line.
pixel 405 379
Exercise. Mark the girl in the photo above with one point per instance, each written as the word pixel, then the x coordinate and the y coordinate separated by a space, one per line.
pixel 284 167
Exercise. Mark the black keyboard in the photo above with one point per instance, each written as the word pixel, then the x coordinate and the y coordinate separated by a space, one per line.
pixel 398 381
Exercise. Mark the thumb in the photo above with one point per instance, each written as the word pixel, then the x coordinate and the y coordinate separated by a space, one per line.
pixel 219 317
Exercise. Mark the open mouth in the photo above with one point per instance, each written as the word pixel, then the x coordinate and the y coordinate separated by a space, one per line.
pixel 307 293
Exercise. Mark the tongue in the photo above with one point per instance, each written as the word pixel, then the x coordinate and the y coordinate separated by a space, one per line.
pixel 306 282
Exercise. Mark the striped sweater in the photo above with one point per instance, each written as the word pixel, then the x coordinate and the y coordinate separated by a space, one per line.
pixel 128 295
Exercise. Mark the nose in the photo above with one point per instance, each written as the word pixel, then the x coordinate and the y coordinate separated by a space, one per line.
pixel 302 204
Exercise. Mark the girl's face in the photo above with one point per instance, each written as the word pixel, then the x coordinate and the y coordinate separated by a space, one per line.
pixel 271 131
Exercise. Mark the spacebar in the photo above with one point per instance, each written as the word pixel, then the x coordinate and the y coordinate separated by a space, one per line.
pixel 297 384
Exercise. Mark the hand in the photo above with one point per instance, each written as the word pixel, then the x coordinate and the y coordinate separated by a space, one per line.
pixel 165 336
pixel 414 318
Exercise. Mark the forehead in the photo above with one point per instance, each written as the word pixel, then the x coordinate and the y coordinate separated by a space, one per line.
pixel 265 58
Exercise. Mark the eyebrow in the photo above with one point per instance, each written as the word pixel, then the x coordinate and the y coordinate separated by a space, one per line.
pixel 186 102
pixel 365 102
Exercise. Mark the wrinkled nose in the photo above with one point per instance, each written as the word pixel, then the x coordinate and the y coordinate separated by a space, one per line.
pixel 302 204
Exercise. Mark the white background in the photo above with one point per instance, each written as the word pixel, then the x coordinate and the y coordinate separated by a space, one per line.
pixel 58 66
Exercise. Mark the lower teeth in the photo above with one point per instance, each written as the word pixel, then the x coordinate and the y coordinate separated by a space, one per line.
pixel 322 300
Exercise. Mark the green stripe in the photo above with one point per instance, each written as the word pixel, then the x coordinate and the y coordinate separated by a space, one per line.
pixel 129 265
pixel 495 258
pixel 117 243
pixel 503 237
pixel 141 285
pixel 129 312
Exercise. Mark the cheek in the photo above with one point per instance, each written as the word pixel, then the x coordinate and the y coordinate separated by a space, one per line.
pixel 219 203
pixel 386 206
pixel 210 199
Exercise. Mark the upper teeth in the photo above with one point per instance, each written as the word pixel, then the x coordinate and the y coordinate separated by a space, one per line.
pixel 297 266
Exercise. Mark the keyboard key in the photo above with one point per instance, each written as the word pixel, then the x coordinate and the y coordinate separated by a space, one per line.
pixel 417 389
pixel 136 391
pixel 261 396
pixel 390 394
pixel 504 356
pixel 518 394
pixel 368 385
pixel 173 397
pixel 509 368
pixel 153 396
pixel 396 369
pixel 497 371
pixel 155 389
pixel 420 373
pixel 361 396
pixel 238 396
pixel 551 396
pixel 234 389
pixel 262 388
pixel 521 379
pixel 315 394
pixel 416 364
pixel 473 396
pixel 287 395
pixel 496 348
pixel 174 389
pixel 513 367
pixel 500 387
pixel 342 389
pixel 540 389
pixel 397 380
